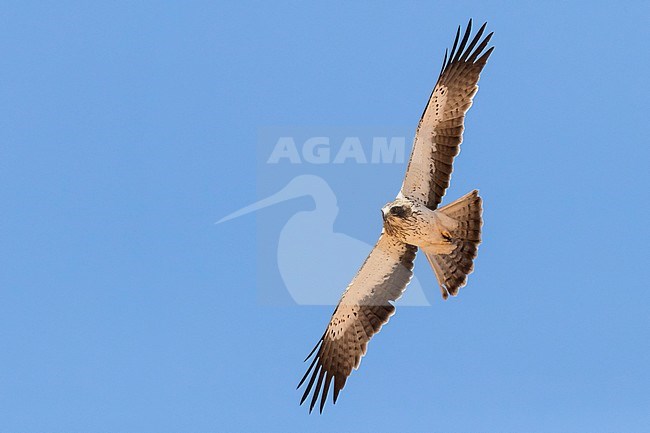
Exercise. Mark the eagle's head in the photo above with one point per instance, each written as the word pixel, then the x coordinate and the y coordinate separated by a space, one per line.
pixel 398 215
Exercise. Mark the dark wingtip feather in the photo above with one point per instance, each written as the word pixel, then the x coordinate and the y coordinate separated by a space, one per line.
pixel 444 62
pixel 339 383
pixel 472 44
pixel 310 384
pixel 314 398
pixel 480 48
pixel 453 48
pixel 315 347
pixel 326 389
pixel 461 47
pixel 307 372
pixel 483 59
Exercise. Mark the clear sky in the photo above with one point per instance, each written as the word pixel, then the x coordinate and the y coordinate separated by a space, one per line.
pixel 128 129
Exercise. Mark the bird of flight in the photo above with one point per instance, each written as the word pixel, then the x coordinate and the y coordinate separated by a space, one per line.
pixel 448 236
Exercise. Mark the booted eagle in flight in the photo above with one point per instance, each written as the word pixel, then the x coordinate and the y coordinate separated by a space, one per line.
pixel 449 236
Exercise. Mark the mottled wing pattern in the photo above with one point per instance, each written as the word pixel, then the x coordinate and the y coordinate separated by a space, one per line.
pixel 363 309
pixel 440 131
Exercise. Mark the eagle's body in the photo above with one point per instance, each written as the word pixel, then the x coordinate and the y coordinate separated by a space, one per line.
pixel 448 236
pixel 418 225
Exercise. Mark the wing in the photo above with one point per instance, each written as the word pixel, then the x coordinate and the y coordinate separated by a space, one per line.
pixel 440 131
pixel 363 309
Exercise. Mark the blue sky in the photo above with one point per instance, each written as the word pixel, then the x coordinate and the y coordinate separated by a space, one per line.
pixel 128 129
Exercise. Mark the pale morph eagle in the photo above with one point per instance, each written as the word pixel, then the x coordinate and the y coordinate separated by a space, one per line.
pixel 449 236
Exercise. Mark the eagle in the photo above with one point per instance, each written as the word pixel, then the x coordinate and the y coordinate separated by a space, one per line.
pixel 448 236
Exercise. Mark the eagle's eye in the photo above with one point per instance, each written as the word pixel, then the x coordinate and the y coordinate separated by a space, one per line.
pixel 398 211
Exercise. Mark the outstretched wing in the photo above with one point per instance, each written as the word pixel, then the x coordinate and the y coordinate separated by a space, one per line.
pixel 363 309
pixel 440 131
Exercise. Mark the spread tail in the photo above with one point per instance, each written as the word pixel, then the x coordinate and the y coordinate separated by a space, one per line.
pixel 452 269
